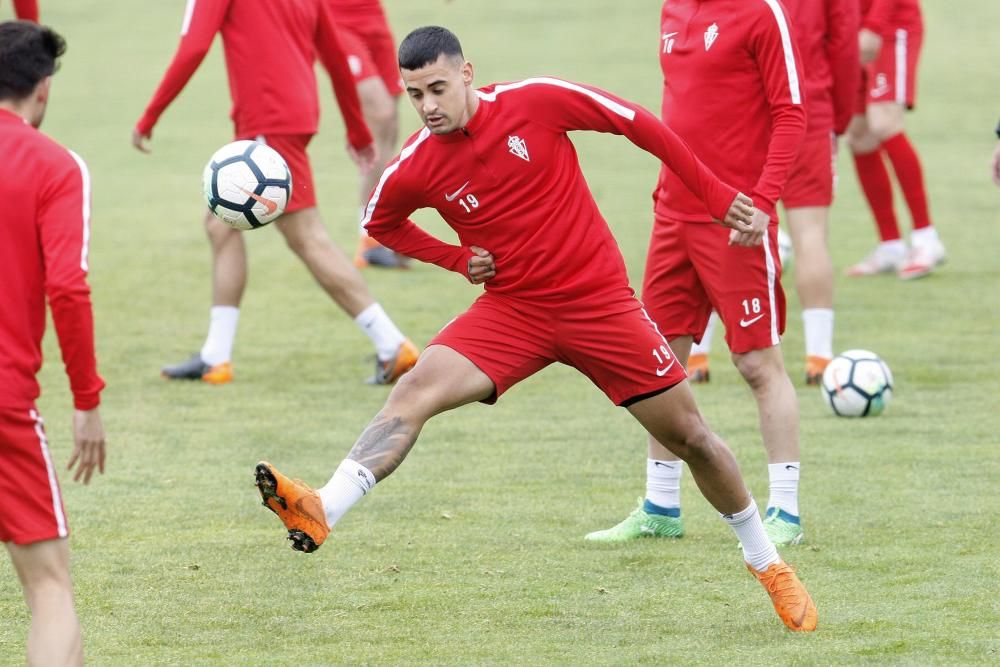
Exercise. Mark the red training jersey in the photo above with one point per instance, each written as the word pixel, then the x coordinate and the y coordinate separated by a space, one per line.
pixel 510 182
pixel 826 32
pixel 270 49
pixel 732 90
pixel 44 234
pixel 886 16
pixel 26 10
pixel 358 14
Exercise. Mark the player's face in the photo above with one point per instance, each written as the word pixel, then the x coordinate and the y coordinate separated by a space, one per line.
pixel 442 93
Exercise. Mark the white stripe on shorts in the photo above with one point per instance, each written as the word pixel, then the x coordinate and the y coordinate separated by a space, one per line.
pixel 771 274
pixel 901 37
pixel 43 444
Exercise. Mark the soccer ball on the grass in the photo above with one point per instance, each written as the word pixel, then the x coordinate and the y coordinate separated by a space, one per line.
pixel 857 383
pixel 247 184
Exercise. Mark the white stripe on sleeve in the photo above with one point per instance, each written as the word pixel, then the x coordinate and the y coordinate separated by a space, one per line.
pixel 786 45
pixel 85 244
pixel 389 171
pixel 604 101
pixel 188 13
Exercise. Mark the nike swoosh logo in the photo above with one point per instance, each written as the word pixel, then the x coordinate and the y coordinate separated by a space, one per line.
pixel 455 194
pixel 660 372
pixel 746 323
pixel 787 467
pixel 271 206
pixel 665 465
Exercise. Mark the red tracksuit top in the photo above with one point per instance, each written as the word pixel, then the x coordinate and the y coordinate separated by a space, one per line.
pixel 732 89
pixel 826 32
pixel 358 14
pixel 44 234
pixel 270 49
pixel 885 16
pixel 510 182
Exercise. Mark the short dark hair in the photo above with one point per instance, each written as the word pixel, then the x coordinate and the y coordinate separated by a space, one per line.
pixel 28 54
pixel 425 45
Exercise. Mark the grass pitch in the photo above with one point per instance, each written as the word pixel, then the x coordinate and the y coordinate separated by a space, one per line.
pixel 473 553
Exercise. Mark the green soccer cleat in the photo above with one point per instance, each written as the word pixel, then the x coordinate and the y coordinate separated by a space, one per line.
pixel 783 528
pixel 640 523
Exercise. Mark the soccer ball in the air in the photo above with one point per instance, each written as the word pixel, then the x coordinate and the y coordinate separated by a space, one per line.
pixel 857 383
pixel 247 184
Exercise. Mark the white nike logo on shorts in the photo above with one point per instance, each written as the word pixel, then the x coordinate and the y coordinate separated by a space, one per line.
pixel 746 323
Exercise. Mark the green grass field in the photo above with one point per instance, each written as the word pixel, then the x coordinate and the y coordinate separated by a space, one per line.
pixel 473 553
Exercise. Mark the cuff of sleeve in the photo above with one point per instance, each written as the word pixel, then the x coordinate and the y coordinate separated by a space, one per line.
pixel 762 203
pixel 359 139
pixel 725 198
pixel 86 401
pixel 145 124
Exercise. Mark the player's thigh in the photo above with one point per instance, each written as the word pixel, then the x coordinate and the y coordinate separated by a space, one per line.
pixel 293 148
pixel 443 379
pixel 744 285
pixel 508 340
pixel 41 564
pixel 860 137
pixel 671 417
pixel 672 292
pixel 31 507
pixel 378 105
pixel 808 227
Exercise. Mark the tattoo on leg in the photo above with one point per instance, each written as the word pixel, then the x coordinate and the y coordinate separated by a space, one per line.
pixel 383 445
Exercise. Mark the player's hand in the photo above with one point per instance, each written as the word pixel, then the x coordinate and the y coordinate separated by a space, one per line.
pixel 996 165
pixel 88 444
pixel 869 44
pixel 753 237
pixel 139 140
pixel 481 266
pixel 364 157
pixel 739 214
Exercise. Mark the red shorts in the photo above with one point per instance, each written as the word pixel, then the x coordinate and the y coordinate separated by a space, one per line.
pixel 371 53
pixel 892 77
pixel 31 507
pixel 691 269
pixel 292 147
pixel 621 351
pixel 811 178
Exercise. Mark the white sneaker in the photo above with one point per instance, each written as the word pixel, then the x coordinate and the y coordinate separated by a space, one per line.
pixel 922 260
pixel 884 259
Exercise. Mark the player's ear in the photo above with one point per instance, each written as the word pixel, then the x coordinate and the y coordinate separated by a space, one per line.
pixel 467 73
pixel 41 92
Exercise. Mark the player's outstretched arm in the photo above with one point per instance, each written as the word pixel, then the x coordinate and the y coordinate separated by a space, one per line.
pixel 88 445
pixel 334 60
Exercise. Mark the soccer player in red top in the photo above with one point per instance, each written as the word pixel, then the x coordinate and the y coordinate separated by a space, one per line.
pixel 826 34
pixel 733 91
pixel 43 256
pixel 371 55
pixel 891 35
pixel 498 166
pixel 276 104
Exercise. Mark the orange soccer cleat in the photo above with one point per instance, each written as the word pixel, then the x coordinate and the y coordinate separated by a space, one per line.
pixel 791 599
pixel 814 369
pixel 697 368
pixel 196 369
pixel 387 372
pixel 372 253
pixel 297 505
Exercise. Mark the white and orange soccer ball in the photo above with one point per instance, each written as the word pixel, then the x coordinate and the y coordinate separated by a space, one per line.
pixel 857 383
pixel 247 184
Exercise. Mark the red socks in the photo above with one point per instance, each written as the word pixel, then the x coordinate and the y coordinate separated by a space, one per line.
pixel 909 173
pixel 875 183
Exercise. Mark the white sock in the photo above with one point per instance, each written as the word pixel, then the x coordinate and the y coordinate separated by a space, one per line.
pixel 350 482
pixel 896 247
pixel 924 236
pixel 818 326
pixel 758 551
pixel 377 326
pixel 705 346
pixel 663 482
pixel 784 479
pixel 218 347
